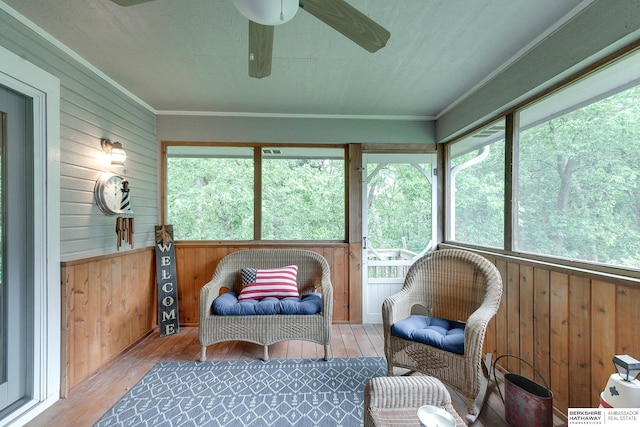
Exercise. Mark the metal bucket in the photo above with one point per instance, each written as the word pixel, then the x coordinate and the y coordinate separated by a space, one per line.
pixel 526 403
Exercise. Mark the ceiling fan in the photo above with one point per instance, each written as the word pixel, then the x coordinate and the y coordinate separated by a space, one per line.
pixel 263 15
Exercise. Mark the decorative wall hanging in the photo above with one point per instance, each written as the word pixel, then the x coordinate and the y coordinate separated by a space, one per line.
pixel 112 195
pixel 166 277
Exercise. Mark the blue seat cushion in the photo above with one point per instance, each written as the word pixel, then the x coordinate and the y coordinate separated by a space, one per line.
pixel 227 304
pixel 445 334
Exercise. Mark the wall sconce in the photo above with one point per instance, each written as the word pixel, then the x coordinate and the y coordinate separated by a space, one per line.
pixel 116 153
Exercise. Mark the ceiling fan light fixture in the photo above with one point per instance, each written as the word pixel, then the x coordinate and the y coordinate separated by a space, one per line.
pixel 267 12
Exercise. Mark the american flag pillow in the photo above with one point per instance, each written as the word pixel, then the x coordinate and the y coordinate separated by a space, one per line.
pixel 272 282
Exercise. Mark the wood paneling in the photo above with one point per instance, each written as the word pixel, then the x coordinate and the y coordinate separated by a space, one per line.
pixel 512 299
pixel 526 319
pixel 579 342
pixel 603 323
pixel 196 264
pixel 568 326
pixel 108 304
pixel 559 336
pixel 541 319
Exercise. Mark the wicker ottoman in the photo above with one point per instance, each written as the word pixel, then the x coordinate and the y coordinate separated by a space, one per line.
pixel 394 401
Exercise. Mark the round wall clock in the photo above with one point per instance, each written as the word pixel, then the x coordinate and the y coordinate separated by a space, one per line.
pixel 108 193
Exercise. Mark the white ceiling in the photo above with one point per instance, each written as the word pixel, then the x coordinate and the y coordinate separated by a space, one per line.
pixel 191 55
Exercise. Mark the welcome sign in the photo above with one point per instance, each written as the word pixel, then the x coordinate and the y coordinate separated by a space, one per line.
pixel 166 279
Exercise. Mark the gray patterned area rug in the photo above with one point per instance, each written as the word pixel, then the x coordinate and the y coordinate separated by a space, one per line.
pixel 289 392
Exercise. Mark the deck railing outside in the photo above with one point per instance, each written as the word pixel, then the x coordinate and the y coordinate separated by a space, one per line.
pixel 389 263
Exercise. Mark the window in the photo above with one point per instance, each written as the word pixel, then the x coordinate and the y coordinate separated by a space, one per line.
pixel 476 188
pixel 303 193
pixel 212 191
pixel 400 202
pixel 209 192
pixel 576 174
pixel 579 170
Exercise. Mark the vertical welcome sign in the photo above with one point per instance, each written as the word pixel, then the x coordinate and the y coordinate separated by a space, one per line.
pixel 166 278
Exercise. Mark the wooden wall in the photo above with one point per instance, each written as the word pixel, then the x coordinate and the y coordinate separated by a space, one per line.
pixel 108 304
pixel 196 263
pixel 568 325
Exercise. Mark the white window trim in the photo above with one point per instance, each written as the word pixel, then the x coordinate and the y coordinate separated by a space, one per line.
pixel 44 90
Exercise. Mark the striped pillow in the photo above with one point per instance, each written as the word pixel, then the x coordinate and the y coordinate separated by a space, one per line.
pixel 273 282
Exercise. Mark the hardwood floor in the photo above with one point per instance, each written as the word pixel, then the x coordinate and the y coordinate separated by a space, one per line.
pixel 92 397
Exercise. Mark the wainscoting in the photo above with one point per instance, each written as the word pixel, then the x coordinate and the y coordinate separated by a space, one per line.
pixel 108 304
pixel 568 325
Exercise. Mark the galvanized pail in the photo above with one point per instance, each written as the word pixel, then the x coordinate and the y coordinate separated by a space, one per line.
pixel 526 403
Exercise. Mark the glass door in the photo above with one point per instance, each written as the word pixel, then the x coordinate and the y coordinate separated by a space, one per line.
pixel 399 222
pixel 3 289
pixel 15 189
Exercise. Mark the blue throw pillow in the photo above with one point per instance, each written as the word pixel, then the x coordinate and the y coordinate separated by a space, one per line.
pixel 445 334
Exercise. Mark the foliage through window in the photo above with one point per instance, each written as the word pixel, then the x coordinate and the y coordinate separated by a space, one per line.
pixel 579 169
pixel 476 189
pixel 303 194
pixel 211 192
pixel 399 202
pixel 576 174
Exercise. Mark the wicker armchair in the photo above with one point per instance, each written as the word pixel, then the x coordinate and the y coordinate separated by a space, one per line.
pixel 455 285
pixel 313 274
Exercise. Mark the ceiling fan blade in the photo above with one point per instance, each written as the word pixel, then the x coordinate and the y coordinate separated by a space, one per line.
pixel 129 2
pixel 348 21
pixel 260 50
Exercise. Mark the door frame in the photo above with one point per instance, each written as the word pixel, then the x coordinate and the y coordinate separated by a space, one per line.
pixel 435 209
pixel 43 89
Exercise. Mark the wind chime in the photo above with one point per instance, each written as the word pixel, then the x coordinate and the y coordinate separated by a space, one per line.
pixel 111 193
pixel 124 220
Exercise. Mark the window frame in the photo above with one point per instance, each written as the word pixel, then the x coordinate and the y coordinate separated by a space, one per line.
pixel 257 188
pixel 511 117
pixel 493 129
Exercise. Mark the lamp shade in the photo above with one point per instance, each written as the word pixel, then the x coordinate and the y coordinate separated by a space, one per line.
pixel 267 12
pixel 118 155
